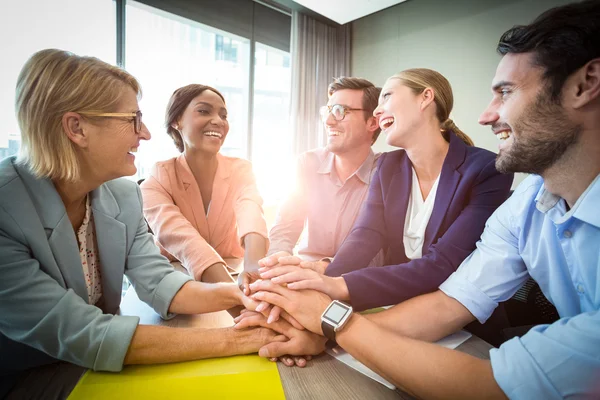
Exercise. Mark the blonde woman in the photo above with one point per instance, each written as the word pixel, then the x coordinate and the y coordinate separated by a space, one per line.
pixel 69 230
pixel 427 203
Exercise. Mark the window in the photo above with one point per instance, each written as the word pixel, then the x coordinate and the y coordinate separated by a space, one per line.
pixel 166 52
pixel 271 145
pixel 84 27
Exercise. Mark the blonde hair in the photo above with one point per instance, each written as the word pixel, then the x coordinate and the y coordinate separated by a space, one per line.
pixel 419 79
pixel 52 83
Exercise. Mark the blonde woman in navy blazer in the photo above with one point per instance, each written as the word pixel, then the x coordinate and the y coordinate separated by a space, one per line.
pixel 80 126
pixel 413 112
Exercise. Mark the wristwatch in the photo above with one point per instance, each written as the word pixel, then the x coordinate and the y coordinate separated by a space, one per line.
pixel 334 318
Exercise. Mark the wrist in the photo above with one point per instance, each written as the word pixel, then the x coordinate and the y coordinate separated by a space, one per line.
pixel 340 289
pixel 234 295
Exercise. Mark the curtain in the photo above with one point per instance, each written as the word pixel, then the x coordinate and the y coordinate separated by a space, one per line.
pixel 319 53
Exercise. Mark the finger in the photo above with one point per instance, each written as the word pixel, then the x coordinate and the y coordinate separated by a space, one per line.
pixel 262 306
pixel 308 284
pixel 299 361
pixel 309 265
pixel 274 315
pixel 294 276
pixel 308 358
pixel 274 349
pixel 272 259
pixel 246 284
pixel 271 298
pixel 245 314
pixel 289 260
pixel 251 321
pixel 285 315
pixel 277 271
pixel 267 285
pixel 273 359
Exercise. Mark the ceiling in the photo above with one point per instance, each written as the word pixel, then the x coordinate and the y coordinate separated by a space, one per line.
pixel 344 11
pixel 332 12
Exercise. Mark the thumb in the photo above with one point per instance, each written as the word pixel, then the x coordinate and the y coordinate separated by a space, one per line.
pixel 275 349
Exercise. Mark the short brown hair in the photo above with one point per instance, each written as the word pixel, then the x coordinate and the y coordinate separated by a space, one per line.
pixel 370 94
pixel 179 101
pixel 52 83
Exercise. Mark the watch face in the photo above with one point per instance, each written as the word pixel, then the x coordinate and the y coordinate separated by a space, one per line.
pixel 336 313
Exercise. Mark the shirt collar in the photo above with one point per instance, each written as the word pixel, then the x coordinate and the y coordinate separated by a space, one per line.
pixel 585 209
pixel 363 172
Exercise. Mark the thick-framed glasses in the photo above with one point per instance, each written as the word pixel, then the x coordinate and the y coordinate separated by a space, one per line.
pixel 337 110
pixel 137 117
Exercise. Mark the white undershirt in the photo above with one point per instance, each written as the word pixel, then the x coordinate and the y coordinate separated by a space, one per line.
pixel 418 213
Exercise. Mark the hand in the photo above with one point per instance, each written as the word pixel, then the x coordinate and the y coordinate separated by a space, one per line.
pixel 246 277
pixel 300 342
pixel 252 340
pixel 306 306
pixel 300 278
pixel 317 266
pixel 273 259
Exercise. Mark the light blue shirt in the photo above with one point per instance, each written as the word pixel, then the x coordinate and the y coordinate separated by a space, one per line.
pixel 532 234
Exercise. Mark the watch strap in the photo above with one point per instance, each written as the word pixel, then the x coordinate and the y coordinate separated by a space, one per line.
pixel 328 330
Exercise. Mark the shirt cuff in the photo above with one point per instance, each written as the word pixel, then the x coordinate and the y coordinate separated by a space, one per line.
pixel 166 290
pixel 115 343
pixel 470 296
pixel 518 374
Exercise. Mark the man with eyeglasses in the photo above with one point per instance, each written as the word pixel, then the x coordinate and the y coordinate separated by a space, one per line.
pixel 332 182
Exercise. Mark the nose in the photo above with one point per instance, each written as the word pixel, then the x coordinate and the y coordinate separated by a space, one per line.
pixel 330 120
pixel 490 115
pixel 145 133
pixel 378 111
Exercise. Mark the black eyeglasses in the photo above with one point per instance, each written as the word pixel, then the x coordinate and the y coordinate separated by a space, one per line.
pixel 137 117
pixel 337 110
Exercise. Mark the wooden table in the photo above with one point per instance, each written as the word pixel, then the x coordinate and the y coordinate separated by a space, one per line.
pixel 323 378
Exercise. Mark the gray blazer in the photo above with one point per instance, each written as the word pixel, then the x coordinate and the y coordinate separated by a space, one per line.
pixel 44 314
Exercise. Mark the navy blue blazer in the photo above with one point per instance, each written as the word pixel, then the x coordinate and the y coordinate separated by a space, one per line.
pixel 469 190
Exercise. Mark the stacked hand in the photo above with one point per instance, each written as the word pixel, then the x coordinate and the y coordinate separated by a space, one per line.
pixel 298 342
pixel 283 268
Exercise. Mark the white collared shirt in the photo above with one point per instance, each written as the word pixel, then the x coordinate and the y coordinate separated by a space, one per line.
pixel 418 213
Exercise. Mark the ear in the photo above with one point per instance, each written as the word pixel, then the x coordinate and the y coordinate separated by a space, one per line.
pixel 74 127
pixel 585 87
pixel 427 97
pixel 372 124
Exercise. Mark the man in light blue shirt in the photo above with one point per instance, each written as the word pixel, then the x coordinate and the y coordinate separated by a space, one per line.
pixel 546 112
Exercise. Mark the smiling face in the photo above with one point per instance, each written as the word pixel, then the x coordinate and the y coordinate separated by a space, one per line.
pixel 353 131
pixel 534 131
pixel 399 113
pixel 112 142
pixel 203 124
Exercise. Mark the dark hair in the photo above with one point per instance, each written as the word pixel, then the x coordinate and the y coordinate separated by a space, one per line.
pixel 179 101
pixel 563 39
pixel 370 94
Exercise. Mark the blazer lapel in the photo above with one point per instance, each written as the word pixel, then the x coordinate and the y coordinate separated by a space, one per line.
pixel 401 184
pixel 112 241
pixel 449 180
pixel 193 198
pixel 56 223
pixel 219 194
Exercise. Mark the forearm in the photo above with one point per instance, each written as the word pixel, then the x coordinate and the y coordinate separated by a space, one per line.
pixel 200 297
pixel 161 344
pixel 422 369
pixel 429 317
pixel 216 273
pixel 255 248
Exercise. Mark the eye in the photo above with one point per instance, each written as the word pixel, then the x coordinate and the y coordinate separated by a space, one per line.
pixel 224 116
pixel 386 95
pixel 203 112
